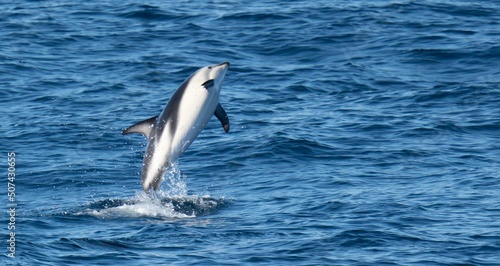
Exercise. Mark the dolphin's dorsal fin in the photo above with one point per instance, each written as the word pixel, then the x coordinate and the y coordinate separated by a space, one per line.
pixel 143 127
pixel 222 116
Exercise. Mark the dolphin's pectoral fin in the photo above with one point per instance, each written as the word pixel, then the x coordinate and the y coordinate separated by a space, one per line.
pixel 208 84
pixel 143 127
pixel 222 116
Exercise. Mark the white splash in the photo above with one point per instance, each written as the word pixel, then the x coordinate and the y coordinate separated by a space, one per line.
pixel 142 205
pixel 175 182
pixel 158 204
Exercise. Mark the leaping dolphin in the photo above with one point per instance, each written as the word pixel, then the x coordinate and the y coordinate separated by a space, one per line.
pixel 185 115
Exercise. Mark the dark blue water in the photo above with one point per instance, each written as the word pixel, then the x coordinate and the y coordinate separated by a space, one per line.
pixel 362 132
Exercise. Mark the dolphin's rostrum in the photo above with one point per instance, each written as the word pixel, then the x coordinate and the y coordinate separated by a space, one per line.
pixel 186 113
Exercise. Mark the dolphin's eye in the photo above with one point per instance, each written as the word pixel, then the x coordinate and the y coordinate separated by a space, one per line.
pixel 210 67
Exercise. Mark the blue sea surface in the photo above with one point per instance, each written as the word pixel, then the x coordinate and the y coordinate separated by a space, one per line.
pixel 362 133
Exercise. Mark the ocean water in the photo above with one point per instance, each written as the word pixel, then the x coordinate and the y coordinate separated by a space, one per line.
pixel 362 133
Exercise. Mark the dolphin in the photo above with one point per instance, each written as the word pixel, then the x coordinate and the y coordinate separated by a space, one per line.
pixel 185 115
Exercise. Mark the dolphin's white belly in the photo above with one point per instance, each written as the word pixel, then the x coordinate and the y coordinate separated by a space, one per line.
pixel 195 110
